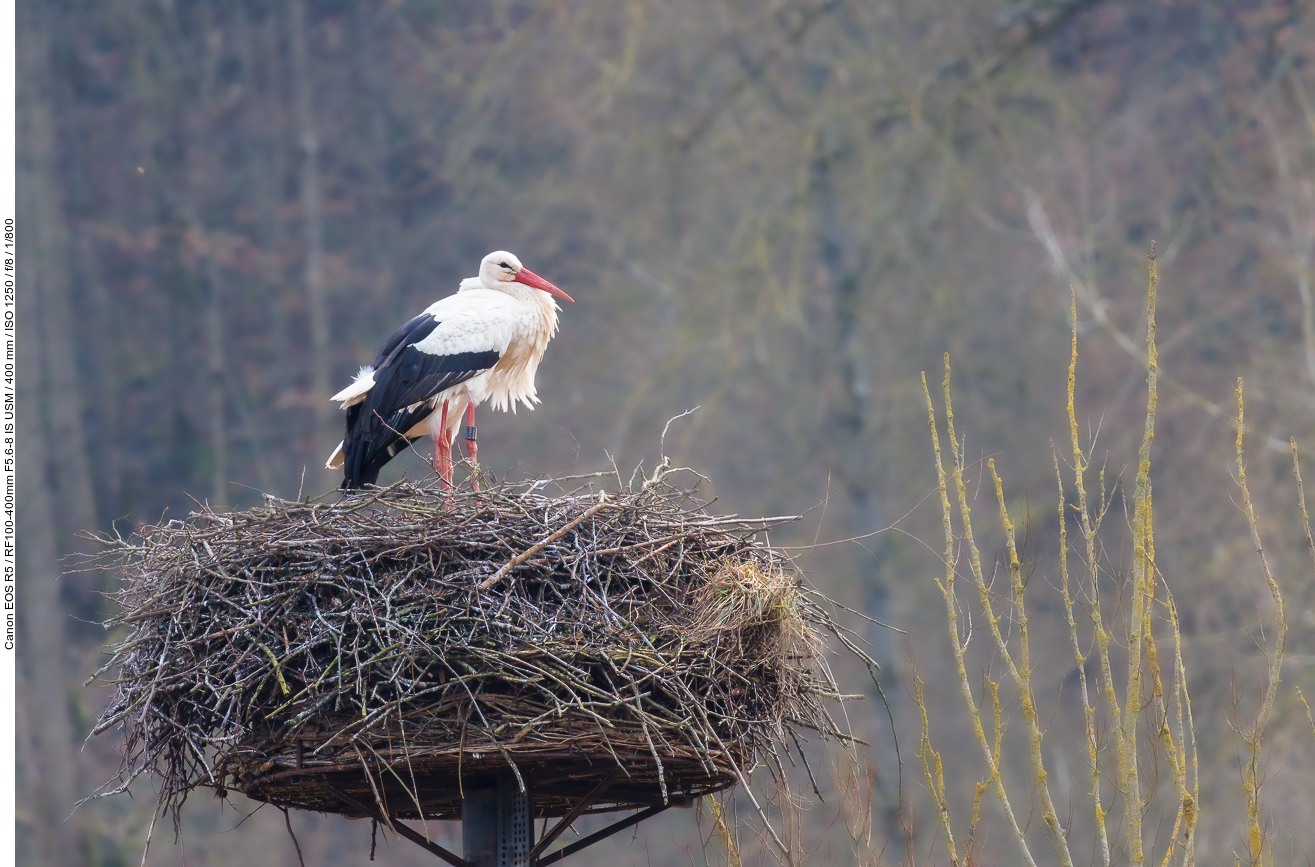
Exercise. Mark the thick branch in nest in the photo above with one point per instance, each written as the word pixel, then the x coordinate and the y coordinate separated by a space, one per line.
pixel 404 645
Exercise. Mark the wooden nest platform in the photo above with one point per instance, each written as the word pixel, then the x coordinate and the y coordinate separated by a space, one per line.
pixel 385 653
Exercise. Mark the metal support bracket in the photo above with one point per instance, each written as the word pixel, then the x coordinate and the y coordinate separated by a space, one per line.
pixel 497 826
pixel 402 830
pixel 593 838
pixel 594 794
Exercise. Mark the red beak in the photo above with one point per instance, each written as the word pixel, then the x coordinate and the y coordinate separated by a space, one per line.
pixel 529 278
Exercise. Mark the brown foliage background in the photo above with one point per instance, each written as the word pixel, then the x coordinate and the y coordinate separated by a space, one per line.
pixel 781 211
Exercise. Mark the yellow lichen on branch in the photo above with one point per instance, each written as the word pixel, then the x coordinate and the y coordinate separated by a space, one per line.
pixel 1143 566
pixel 947 591
pixel 1253 736
pixel 1090 527
pixel 1151 702
pixel 933 771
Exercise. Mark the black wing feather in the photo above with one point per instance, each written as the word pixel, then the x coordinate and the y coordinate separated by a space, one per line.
pixel 403 377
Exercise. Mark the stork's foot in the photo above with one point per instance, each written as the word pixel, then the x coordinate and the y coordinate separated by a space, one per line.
pixel 443 469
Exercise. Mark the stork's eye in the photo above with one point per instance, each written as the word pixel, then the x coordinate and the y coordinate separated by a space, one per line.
pixel 505 265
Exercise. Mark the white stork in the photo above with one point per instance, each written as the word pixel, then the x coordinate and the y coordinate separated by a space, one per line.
pixel 483 343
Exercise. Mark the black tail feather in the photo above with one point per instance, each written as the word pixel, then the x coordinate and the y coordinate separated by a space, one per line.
pixel 370 443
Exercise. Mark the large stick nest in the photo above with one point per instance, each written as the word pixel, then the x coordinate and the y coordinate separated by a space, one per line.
pixel 400 647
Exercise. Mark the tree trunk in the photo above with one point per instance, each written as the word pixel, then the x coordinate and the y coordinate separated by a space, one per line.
pixel 50 254
pixel 848 420
pixel 313 219
pixel 215 379
pixel 49 424
pixel 198 133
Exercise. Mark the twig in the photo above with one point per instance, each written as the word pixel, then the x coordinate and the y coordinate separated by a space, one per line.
pixel 539 546
pixel 287 820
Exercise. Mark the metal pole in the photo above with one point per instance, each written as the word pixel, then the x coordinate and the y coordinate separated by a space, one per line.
pixel 515 824
pixel 496 826
pixel 479 827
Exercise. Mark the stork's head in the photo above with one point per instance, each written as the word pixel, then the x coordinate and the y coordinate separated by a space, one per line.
pixel 501 268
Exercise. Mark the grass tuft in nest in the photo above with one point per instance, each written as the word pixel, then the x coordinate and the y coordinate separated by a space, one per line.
pixel 398 647
pixel 756 607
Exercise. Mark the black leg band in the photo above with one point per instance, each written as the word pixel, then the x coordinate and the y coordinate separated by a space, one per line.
pixel 470 433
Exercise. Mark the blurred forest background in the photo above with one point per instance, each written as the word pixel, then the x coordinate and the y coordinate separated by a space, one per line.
pixel 779 210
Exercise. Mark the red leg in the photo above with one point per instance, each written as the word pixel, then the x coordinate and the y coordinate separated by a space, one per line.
pixel 471 448
pixel 443 451
pixel 438 447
